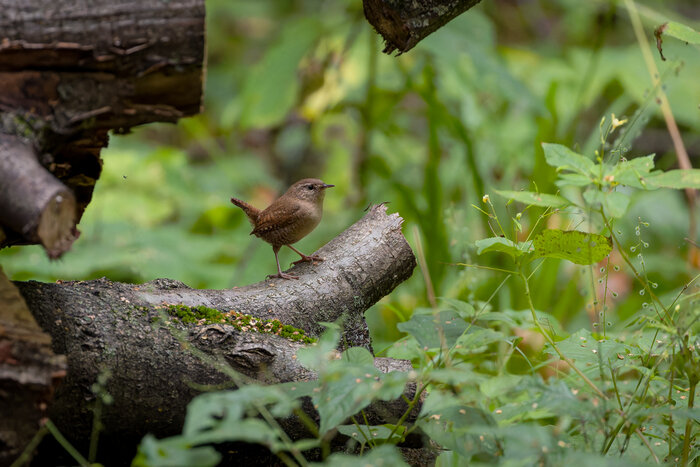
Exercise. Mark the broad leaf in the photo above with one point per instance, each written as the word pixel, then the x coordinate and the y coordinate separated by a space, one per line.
pixel 681 32
pixel 564 158
pixel 348 388
pixel 577 247
pixel 174 452
pixel 501 244
pixel 633 172
pixel 677 179
pixel 435 330
pixel 588 352
pixel 535 199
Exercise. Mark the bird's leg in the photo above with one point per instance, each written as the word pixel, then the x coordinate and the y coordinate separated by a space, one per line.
pixel 305 258
pixel 280 274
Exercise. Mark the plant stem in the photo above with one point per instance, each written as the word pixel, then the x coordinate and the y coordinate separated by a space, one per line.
pixel 65 444
pixel 550 341
pixel 688 424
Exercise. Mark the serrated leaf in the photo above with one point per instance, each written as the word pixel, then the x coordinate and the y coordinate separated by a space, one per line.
pixel 563 158
pixel 577 247
pixel 501 244
pixel 535 199
pixel 348 388
pixel 435 330
pixel 677 179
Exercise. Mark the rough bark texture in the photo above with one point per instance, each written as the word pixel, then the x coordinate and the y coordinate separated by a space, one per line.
pixel 70 71
pixel 28 372
pixel 101 325
pixel 404 23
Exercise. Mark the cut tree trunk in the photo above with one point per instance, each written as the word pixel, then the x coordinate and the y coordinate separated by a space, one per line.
pixel 70 71
pixel 404 23
pixel 106 326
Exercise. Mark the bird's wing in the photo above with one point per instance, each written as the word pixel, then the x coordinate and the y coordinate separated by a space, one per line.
pixel 275 218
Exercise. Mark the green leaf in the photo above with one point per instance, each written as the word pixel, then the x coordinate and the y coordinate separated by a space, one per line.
pixel 681 32
pixel 588 352
pixel 499 385
pixel 535 199
pixel 476 339
pixel 221 416
pixel 677 179
pixel 633 172
pixel 614 202
pixel 562 158
pixel 577 247
pixel 501 244
pixel 173 452
pixel 463 429
pixel 271 89
pixel 573 179
pixel 385 455
pixel 358 355
pixel 317 356
pixel 348 388
pixel 434 330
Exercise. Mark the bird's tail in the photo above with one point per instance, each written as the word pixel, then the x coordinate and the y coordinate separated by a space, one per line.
pixel 250 211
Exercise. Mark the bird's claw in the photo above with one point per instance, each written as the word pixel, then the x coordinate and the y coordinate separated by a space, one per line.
pixel 308 259
pixel 282 275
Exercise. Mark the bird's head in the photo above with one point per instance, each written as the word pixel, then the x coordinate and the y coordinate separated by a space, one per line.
pixel 309 189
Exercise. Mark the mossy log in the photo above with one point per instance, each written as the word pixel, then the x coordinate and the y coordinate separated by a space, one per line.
pixel 107 326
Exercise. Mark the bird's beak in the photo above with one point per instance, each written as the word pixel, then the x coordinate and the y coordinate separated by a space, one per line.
pixel 327 186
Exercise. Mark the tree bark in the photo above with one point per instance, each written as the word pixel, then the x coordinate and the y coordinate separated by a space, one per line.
pixel 70 71
pixel 404 23
pixel 106 326
pixel 29 372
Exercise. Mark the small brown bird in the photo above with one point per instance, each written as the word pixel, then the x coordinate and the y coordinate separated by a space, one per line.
pixel 289 218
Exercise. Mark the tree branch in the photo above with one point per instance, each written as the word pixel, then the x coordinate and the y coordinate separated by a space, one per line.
pixel 404 23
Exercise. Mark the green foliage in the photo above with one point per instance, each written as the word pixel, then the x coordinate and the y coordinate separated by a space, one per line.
pixel 574 246
pixel 543 348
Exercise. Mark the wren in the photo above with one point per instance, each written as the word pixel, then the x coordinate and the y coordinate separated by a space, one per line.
pixel 288 219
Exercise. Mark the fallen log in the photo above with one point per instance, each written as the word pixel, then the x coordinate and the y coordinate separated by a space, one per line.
pixel 104 326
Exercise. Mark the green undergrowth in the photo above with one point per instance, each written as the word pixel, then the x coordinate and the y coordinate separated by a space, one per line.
pixel 242 322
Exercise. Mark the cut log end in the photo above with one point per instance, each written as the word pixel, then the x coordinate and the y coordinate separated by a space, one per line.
pixel 56 229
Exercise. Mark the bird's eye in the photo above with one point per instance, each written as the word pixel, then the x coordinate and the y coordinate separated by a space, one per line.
pixel 310 187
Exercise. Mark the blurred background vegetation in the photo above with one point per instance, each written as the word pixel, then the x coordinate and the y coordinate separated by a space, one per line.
pixel 300 88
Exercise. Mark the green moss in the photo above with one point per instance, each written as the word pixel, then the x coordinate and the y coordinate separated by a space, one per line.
pixel 205 315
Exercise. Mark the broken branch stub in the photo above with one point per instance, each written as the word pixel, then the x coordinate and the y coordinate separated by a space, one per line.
pixel 34 203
